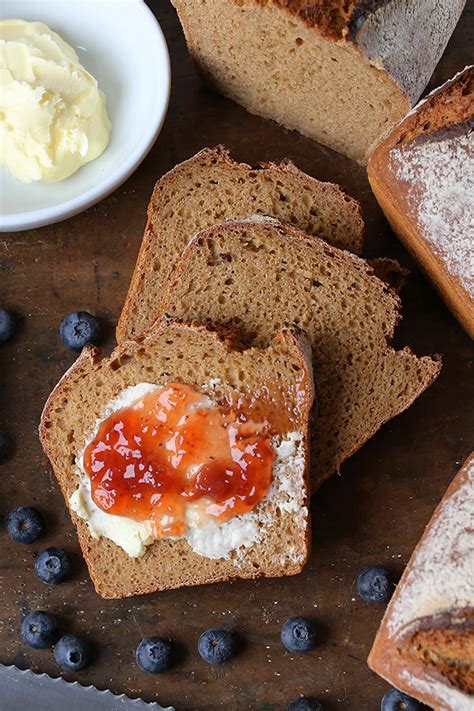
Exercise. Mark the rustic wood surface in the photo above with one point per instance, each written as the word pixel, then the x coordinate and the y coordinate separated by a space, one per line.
pixel 373 513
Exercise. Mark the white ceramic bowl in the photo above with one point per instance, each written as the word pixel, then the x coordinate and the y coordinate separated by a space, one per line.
pixel 122 45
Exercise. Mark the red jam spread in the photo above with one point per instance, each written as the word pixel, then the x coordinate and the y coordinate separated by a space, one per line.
pixel 172 447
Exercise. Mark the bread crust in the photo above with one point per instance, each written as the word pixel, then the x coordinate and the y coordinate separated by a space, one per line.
pixel 390 656
pixel 144 575
pixel 450 104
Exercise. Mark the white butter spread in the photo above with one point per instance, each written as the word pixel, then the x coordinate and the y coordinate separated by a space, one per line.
pixel 53 114
pixel 206 537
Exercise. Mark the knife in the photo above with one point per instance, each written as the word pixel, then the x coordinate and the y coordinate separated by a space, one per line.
pixel 23 689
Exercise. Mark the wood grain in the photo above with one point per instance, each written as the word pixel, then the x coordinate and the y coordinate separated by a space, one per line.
pixel 373 513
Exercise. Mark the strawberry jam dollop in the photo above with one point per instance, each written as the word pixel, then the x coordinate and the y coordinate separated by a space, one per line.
pixel 174 448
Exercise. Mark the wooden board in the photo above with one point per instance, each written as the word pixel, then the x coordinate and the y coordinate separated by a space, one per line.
pixel 373 513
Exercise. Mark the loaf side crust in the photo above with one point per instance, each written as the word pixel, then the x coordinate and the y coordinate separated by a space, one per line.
pixel 426 609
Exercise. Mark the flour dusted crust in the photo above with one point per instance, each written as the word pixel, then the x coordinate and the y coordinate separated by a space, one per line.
pixel 436 593
pixel 342 73
pixel 423 178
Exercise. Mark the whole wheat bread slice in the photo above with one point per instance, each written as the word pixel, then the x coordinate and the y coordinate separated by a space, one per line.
pixel 260 274
pixel 211 188
pixel 191 354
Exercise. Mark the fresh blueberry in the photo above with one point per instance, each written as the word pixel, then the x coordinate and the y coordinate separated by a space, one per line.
pixel 305 704
pixel 298 635
pixel 39 629
pixel 153 655
pixel 24 524
pixel 395 700
pixel 79 329
pixel 374 584
pixel 72 653
pixel 7 325
pixel 217 645
pixel 6 447
pixel 53 566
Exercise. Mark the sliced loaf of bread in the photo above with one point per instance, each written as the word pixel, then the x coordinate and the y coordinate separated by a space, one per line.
pixel 260 274
pixel 342 72
pixel 211 188
pixel 276 540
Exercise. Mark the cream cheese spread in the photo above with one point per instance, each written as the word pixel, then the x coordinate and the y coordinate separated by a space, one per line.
pixel 206 537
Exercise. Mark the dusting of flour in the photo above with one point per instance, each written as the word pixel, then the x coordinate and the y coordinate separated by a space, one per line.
pixel 441 575
pixel 441 175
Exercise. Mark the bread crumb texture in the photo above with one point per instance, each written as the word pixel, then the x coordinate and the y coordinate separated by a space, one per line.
pixel 210 188
pixel 260 276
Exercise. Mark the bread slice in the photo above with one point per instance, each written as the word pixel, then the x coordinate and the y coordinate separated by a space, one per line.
pixel 217 364
pixel 260 274
pixel 422 174
pixel 425 644
pixel 342 72
pixel 211 188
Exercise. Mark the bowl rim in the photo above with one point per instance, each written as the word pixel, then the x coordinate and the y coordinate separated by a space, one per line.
pixel 51 215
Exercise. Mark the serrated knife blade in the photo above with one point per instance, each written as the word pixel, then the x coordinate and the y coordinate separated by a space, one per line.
pixel 22 689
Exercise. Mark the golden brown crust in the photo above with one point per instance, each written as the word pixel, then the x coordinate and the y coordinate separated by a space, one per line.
pixel 450 105
pixel 334 18
pixel 67 421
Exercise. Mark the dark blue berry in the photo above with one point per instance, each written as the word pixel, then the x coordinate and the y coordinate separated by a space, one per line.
pixel 375 585
pixel 24 524
pixel 305 704
pixel 217 645
pixel 39 629
pixel 6 447
pixel 7 325
pixel 53 566
pixel 79 329
pixel 395 700
pixel 298 635
pixel 72 653
pixel 153 655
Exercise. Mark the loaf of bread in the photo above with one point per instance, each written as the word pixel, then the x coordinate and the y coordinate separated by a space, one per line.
pixel 260 274
pixel 422 174
pixel 276 540
pixel 210 188
pixel 425 644
pixel 342 73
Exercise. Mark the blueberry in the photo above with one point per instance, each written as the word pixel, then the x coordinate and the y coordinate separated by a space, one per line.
pixel 298 635
pixel 6 447
pixel 53 566
pixel 39 629
pixel 7 325
pixel 153 655
pixel 217 645
pixel 305 704
pixel 374 584
pixel 79 329
pixel 72 653
pixel 24 524
pixel 395 700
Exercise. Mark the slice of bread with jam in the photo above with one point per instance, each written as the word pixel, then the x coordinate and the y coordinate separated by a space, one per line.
pixel 270 388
